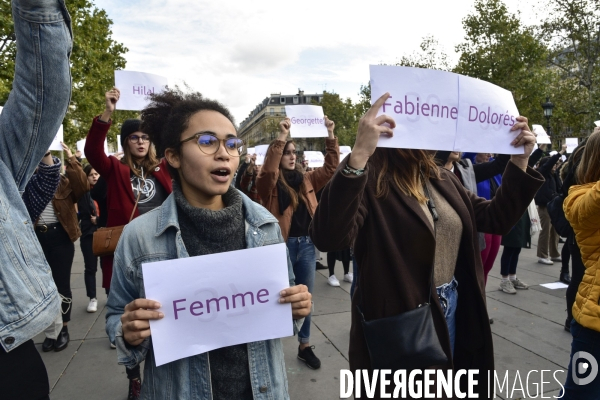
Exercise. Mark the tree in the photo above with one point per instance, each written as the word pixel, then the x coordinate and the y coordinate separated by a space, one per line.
pixel 431 56
pixel 95 57
pixel 344 114
pixel 572 31
pixel 499 49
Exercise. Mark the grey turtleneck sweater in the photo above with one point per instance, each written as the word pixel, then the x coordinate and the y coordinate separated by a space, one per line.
pixel 207 232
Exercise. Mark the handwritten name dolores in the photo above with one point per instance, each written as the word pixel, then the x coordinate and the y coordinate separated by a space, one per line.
pixel 196 307
pixel 426 109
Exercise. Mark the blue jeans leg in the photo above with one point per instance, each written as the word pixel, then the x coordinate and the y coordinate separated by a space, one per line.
pixel 302 255
pixel 448 296
pixel 585 349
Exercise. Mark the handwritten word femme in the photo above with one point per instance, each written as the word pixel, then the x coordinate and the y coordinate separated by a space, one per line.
pixel 236 299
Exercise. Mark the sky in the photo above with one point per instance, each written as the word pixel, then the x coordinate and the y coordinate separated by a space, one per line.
pixel 239 52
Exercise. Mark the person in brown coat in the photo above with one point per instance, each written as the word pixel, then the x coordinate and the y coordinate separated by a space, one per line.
pixel 289 194
pixel 376 202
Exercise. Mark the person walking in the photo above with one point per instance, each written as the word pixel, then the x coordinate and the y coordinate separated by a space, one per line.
pixel 582 209
pixel 57 229
pixel 88 219
pixel 434 250
pixel 290 195
pixel 138 175
pixel 547 251
pixel 204 215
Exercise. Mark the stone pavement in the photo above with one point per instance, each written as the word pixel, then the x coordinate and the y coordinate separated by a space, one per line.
pixel 528 335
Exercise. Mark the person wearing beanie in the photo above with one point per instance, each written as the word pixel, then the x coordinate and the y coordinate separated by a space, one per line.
pixel 139 174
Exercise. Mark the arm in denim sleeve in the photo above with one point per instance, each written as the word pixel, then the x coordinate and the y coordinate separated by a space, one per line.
pixel 41 188
pixel 122 292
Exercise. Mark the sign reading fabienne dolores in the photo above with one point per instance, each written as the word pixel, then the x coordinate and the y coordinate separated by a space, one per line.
pixel 218 300
pixel 438 110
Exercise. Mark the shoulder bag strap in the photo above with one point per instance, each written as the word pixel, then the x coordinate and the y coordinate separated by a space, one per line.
pixel 135 206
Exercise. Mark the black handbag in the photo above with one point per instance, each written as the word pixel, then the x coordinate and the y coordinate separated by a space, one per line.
pixel 408 340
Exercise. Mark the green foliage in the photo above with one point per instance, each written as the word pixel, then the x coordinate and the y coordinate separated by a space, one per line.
pixel 430 57
pixel 499 49
pixel 95 57
pixel 344 114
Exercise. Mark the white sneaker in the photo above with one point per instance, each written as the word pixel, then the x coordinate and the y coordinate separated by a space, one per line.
pixel 113 346
pixel 546 261
pixel 333 281
pixel 93 306
pixel 349 277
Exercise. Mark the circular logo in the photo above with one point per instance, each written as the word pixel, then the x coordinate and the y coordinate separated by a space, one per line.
pixel 584 368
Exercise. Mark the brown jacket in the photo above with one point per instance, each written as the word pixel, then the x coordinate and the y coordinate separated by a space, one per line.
pixel 394 246
pixel 70 189
pixel 266 181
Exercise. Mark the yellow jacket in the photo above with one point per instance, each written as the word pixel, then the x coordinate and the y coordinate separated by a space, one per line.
pixel 582 209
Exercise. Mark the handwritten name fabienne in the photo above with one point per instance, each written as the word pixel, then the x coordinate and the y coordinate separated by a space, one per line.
pixel 198 308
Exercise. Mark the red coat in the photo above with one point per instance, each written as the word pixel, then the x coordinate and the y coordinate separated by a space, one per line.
pixel 119 197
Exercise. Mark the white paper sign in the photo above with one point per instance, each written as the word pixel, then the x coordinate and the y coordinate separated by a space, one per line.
pixel 119 147
pixel 542 136
pixel 554 285
pixel 438 110
pixel 597 123
pixel 250 150
pixel 218 300
pixel 55 145
pixel 307 121
pixel 315 159
pixel 135 88
pixel 344 151
pixel 81 147
pixel 261 152
pixel 572 144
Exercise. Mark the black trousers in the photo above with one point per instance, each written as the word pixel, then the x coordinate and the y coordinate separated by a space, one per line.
pixel 344 255
pixel 509 260
pixel 91 264
pixel 565 255
pixel 59 252
pixel 23 374
pixel 577 272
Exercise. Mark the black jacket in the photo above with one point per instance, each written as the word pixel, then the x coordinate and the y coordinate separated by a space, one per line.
pixel 86 209
pixel 98 193
pixel 552 185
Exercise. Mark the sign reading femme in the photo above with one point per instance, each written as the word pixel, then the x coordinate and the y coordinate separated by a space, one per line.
pixel 438 110
pixel 218 300
pixel 135 87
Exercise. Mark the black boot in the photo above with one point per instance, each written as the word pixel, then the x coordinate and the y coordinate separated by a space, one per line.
pixel 48 345
pixel 62 341
pixel 565 278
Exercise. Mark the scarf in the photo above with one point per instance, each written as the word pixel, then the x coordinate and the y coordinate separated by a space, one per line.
pixel 293 178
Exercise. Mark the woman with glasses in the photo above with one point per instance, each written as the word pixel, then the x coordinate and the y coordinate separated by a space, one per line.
pixel 139 175
pixel 204 215
pixel 290 195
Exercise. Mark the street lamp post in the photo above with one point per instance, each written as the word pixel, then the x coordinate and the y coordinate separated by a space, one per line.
pixel 547 107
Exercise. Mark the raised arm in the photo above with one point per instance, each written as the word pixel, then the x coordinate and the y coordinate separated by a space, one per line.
pixel 320 176
pixel 94 144
pixel 269 173
pixel 41 187
pixel 488 170
pixel 77 178
pixel 343 208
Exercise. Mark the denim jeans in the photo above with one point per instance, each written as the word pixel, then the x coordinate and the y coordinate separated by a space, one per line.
pixel 448 296
pixel 588 341
pixel 302 255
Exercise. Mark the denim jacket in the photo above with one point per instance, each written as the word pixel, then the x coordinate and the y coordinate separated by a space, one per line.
pixel 29 121
pixel 155 236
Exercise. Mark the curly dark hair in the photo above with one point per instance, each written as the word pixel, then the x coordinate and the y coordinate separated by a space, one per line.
pixel 168 115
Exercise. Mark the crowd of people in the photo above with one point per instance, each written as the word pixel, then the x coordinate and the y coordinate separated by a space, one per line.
pixel 422 229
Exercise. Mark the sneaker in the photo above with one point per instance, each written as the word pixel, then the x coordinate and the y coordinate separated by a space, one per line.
pixel 507 287
pixel 113 346
pixel 546 261
pixel 93 306
pixel 333 281
pixel 135 387
pixel 309 357
pixel 517 284
pixel 349 277
pixel 557 259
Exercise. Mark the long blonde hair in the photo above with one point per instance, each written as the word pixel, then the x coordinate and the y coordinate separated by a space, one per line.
pixel 405 167
pixel 588 170
pixel 148 163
